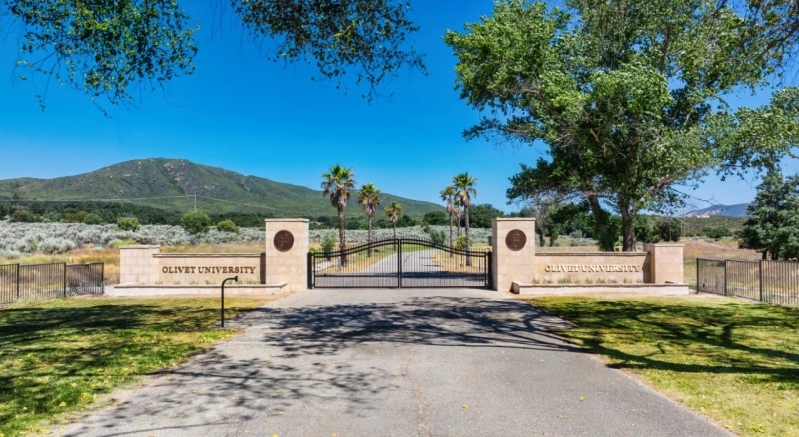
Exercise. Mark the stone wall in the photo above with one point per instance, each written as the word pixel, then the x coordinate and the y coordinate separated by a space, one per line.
pixel 591 268
pixel 667 262
pixel 136 264
pixel 206 268
pixel 511 261
pixel 287 264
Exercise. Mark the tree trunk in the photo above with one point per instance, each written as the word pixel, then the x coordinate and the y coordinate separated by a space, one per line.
pixel 342 236
pixel 601 221
pixel 627 229
pixel 451 254
pixel 395 229
pixel 369 236
pixel 552 237
pixel 468 234
pixel 541 238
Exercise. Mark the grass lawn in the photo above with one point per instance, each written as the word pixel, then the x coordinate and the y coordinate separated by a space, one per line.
pixel 733 361
pixel 57 357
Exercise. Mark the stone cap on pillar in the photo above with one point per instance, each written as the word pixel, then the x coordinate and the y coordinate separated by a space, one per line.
pixel 288 220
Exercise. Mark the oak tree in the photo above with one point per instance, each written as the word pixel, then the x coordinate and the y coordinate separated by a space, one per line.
pixel 629 95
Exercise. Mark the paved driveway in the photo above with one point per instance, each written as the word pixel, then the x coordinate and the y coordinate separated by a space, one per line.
pixel 394 363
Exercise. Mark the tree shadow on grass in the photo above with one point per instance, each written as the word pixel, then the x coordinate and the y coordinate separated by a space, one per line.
pixel 69 352
pixel 733 338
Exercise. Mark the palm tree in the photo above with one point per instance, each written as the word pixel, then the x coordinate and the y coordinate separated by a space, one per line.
pixel 464 190
pixel 447 194
pixel 458 214
pixel 368 197
pixel 336 183
pixel 393 211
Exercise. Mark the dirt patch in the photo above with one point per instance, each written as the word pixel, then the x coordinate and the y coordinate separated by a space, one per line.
pixel 717 250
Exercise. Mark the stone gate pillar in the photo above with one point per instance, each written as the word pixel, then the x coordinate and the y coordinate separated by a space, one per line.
pixel 286 256
pixel 512 251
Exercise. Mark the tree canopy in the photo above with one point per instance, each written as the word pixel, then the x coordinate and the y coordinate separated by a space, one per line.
pixel 125 48
pixel 629 96
pixel 773 223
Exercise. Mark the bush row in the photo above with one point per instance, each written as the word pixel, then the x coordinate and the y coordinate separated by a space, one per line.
pixel 53 238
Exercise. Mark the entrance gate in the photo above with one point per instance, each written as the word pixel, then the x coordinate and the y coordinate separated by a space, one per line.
pixel 400 262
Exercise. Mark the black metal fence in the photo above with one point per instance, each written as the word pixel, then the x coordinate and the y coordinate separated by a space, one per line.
pixel 49 281
pixel 775 282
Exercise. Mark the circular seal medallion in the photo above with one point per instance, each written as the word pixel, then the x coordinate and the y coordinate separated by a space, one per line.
pixel 515 240
pixel 284 241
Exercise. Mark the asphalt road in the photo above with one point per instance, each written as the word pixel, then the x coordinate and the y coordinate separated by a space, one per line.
pixel 451 362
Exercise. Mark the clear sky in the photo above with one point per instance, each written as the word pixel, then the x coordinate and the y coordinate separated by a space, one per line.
pixel 242 113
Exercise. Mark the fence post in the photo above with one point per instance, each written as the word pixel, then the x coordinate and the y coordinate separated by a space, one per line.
pixel 725 277
pixel 697 276
pixel 17 282
pixel 310 270
pixel 65 279
pixel 489 272
pixel 102 278
pixel 760 270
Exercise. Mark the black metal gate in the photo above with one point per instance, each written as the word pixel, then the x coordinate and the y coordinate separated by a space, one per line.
pixel 397 263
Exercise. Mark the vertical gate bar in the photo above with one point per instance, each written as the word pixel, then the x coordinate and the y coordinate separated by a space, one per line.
pixel 65 279
pixel 399 263
pixel 17 282
pixel 760 279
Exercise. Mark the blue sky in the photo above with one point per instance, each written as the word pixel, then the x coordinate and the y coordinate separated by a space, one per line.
pixel 240 112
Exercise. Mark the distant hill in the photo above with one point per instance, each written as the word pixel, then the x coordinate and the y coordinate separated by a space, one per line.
pixel 159 177
pixel 738 210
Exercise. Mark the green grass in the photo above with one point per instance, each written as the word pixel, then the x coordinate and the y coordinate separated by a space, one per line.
pixel 57 357
pixel 735 362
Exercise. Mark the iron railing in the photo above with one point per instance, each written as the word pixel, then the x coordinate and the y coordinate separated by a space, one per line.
pixel 49 281
pixel 397 263
pixel 769 281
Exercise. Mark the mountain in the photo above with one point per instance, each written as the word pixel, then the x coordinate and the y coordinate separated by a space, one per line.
pixel 160 177
pixel 738 210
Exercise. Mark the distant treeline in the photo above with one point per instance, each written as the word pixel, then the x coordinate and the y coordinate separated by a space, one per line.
pixel 574 223
pixel 108 212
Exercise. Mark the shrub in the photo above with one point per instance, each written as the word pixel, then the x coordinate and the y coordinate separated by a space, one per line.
pixel 76 217
pixel 23 216
pixel 93 219
pixel 406 221
pixel 10 254
pixel 55 245
pixel 438 237
pixel 669 231
pixel 126 242
pixel 461 243
pixel 717 232
pixel 195 222
pixel 328 242
pixel 128 224
pixel 227 226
